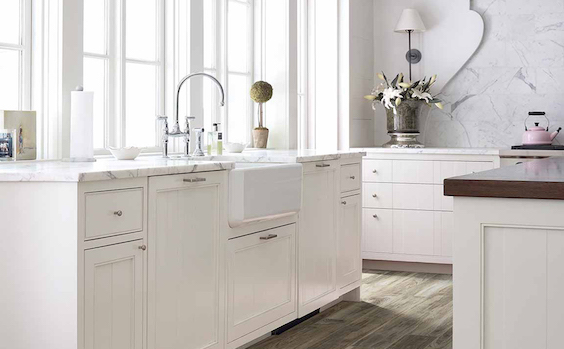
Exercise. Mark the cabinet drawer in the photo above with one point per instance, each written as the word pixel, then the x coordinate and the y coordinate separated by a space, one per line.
pixel 350 177
pixel 413 196
pixel 442 202
pixel 377 230
pixel 116 212
pixel 413 171
pixel 447 169
pixel 377 195
pixel 414 232
pixel 377 171
pixel 261 279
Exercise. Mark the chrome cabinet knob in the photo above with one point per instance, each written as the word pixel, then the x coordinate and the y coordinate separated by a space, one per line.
pixel 374 195
pixel 118 213
pixel 374 171
pixel 343 202
pixel 375 216
pixel 352 177
pixel 143 247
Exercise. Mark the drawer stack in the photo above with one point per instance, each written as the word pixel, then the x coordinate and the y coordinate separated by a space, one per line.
pixel 406 217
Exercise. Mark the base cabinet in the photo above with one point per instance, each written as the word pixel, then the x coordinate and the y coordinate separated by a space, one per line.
pixel 113 296
pixel 318 237
pixel 349 263
pixel 185 299
pixel 261 280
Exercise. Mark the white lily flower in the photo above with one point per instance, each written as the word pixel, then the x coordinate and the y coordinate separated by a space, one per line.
pixel 389 94
pixel 417 93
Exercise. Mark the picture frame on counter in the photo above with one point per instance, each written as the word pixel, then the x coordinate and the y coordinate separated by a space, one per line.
pixel 21 126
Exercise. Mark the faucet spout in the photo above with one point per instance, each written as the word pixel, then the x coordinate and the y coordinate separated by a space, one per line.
pixel 176 127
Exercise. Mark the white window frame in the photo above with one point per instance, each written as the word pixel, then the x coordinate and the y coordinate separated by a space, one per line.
pixel 24 47
pixel 220 68
pixel 115 79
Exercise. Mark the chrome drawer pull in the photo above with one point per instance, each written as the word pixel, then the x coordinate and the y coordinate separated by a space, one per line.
pixel 194 180
pixel 352 177
pixel 374 195
pixel 268 237
pixel 343 202
pixel 322 165
pixel 143 247
pixel 374 171
pixel 375 216
pixel 118 213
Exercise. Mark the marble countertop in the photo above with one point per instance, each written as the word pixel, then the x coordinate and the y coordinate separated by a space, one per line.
pixel 287 156
pixel 109 168
pixel 539 179
pixel 438 151
pixel 103 169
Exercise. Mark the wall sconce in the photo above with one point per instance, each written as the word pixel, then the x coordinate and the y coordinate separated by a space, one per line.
pixel 410 22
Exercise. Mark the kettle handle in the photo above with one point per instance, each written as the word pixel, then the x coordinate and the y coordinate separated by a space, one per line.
pixel 537 113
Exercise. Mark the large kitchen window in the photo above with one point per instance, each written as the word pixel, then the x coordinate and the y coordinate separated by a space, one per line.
pixel 15 55
pixel 228 55
pixel 124 66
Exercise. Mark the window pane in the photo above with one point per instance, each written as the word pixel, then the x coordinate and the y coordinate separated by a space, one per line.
pixel 140 105
pixel 211 102
pixel 94 26
pixel 141 29
pixel 238 97
pixel 95 80
pixel 9 75
pixel 209 34
pixel 237 36
pixel 10 21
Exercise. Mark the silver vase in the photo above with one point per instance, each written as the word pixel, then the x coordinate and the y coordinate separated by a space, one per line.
pixel 403 125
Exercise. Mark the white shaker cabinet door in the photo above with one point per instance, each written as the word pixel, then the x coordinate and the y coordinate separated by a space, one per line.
pixel 185 307
pixel 349 263
pixel 317 239
pixel 261 279
pixel 113 296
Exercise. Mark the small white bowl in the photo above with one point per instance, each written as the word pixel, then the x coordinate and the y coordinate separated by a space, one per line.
pixel 128 153
pixel 234 147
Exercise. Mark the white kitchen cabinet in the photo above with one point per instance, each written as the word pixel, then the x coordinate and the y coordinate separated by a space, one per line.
pixel 185 282
pixel 113 296
pixel 377 233
pixel 349 263
pixel 318 236
pixel 261 280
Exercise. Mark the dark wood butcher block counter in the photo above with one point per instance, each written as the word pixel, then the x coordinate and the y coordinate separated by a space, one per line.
pixel 540 179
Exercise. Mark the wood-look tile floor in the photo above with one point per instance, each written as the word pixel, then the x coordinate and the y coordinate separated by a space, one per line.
pixel 399 310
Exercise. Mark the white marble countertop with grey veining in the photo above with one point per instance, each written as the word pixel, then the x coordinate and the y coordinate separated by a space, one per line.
pixel 144 166
pixel 439 151
pixel 103 169
pixel 287 156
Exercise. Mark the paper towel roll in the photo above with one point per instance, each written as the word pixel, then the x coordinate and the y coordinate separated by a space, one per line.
pixel 82 126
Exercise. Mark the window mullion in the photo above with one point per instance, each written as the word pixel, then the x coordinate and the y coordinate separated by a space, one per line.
pixel 25 57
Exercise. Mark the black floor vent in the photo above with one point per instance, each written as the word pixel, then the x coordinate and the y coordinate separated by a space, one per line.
pixel 289 325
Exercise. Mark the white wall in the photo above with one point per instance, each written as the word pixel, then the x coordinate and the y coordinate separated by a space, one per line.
pixel 361 60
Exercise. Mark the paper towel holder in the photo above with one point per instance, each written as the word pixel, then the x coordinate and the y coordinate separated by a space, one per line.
pixel 85 151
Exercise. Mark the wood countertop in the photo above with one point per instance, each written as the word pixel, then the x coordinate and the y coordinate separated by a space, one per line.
pixel 540 179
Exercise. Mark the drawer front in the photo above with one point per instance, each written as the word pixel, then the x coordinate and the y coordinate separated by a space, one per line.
pixel 413 171
pixel 377 195
pixel 377 171
pixel 442 202
pixel 109 213
pixel 414 232
pixel 447 169
pixel 413 196
pixel 377 232
pixel 350 177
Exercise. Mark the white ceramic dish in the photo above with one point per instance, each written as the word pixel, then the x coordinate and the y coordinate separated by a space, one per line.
pixel 128 153
pixel 234 147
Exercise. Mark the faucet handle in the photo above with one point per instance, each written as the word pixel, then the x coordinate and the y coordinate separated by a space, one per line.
pixel 188 119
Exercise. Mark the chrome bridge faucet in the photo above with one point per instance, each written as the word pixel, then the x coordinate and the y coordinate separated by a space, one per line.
pixel 176 132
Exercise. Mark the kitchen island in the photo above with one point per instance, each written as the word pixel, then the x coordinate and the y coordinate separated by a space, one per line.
pixel 143 254
pixel 508 256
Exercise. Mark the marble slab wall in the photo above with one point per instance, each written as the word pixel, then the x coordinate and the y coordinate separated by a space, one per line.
pixel 519 67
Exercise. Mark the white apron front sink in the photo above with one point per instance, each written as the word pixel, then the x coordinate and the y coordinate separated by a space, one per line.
pixel 261 191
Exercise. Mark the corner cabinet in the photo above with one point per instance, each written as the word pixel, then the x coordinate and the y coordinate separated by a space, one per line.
pixel 185 298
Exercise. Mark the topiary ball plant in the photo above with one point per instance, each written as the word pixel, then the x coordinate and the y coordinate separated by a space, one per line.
pixel 261 92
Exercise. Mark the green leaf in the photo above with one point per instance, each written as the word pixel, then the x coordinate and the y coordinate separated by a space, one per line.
pixel 395 81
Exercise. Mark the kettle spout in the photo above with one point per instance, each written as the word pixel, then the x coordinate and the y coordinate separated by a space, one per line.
pixel 554 134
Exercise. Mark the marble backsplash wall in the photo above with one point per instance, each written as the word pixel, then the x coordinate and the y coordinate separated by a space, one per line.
pixel 519 67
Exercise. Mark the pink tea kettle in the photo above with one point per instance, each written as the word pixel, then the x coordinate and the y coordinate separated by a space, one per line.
pixel 537 135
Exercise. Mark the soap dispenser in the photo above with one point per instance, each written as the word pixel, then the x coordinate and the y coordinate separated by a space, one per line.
pixel 212 140
pixel 199 134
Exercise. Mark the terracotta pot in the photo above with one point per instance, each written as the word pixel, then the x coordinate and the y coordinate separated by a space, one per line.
pixel 260 137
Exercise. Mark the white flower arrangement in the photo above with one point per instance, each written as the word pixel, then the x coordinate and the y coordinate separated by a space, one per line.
pixel 392 94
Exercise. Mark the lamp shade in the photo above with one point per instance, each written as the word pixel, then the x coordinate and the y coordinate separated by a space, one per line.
pixel 410 20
